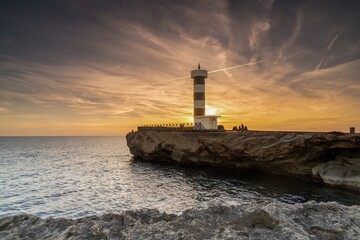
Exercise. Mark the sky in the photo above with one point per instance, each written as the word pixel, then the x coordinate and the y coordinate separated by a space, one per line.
pixel 104 67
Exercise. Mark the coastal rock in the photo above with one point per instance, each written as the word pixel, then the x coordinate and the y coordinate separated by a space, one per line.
pixel 255 220
pixel 344 172
pixel 291 153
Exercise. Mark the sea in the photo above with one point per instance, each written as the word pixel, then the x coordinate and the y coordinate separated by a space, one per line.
pixel 75 177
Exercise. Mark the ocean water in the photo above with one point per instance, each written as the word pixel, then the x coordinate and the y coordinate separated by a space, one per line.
pixel 75 177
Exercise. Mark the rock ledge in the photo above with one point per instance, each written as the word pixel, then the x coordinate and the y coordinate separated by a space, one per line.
pixel 334 158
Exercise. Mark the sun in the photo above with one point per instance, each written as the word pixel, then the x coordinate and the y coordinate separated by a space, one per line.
pixel 211 110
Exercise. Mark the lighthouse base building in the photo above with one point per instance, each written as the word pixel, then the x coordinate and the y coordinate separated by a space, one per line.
pixel 201 121
pixel 206 122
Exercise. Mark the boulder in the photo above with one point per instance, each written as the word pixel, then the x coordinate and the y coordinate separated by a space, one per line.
pixel 344 172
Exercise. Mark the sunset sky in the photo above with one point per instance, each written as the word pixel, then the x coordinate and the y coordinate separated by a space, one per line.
pixel 105 67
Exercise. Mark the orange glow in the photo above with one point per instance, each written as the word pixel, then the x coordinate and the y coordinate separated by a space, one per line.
pixel 211 110
pixel 118 71
pixel 254 103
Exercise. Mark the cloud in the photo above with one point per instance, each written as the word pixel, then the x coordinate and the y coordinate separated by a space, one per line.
pixel 2 110
pixel 294 35
pixel 123 63
pixel 258 28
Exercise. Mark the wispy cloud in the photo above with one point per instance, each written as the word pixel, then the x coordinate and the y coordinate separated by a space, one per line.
pixel 294 35
pixel 112 66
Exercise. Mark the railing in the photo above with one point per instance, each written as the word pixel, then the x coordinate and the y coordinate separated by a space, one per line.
pixel 170 125
pixel 173 127
pixel 167 127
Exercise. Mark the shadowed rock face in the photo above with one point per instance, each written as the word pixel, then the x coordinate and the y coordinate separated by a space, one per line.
pixel 255 220
pixel 309 154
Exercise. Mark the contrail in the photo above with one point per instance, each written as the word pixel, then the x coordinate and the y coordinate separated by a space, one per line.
pixel 332 42
pixel 214 71
pixel 237 66
pixel 319 65
pixel 317 68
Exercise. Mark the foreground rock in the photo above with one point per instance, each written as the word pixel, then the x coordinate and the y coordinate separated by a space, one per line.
pixel 334 158
pixel 261 220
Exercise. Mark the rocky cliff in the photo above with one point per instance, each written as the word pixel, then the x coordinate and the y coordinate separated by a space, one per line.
pixel 332 157
pixel 249 220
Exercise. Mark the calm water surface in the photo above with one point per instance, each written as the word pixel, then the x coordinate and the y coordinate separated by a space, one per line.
pixel 80 176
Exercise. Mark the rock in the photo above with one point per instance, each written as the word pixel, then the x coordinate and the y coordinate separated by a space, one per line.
pixel 343 172
pixel 255 220
pixel 290 153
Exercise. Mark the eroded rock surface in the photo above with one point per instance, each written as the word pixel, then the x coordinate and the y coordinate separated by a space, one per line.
pixel 249 220
pixel 307 154
pixel 343 172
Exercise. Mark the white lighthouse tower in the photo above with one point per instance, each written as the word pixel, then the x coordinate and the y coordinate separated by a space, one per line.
pixel 201 121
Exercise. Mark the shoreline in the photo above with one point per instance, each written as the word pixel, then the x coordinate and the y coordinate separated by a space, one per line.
pixel 259 219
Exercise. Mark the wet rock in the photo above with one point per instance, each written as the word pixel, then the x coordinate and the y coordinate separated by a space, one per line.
pixel 316 155
pixel 255 220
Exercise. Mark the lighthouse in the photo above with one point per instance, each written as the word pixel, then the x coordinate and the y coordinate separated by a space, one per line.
pixel 201 120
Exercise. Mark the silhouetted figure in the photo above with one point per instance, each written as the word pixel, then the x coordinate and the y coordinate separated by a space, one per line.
pixel 246 128
pixel 234 128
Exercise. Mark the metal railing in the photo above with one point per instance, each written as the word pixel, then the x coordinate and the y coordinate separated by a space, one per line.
pixel 170 125
pixel 173 127
pixel 167 127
